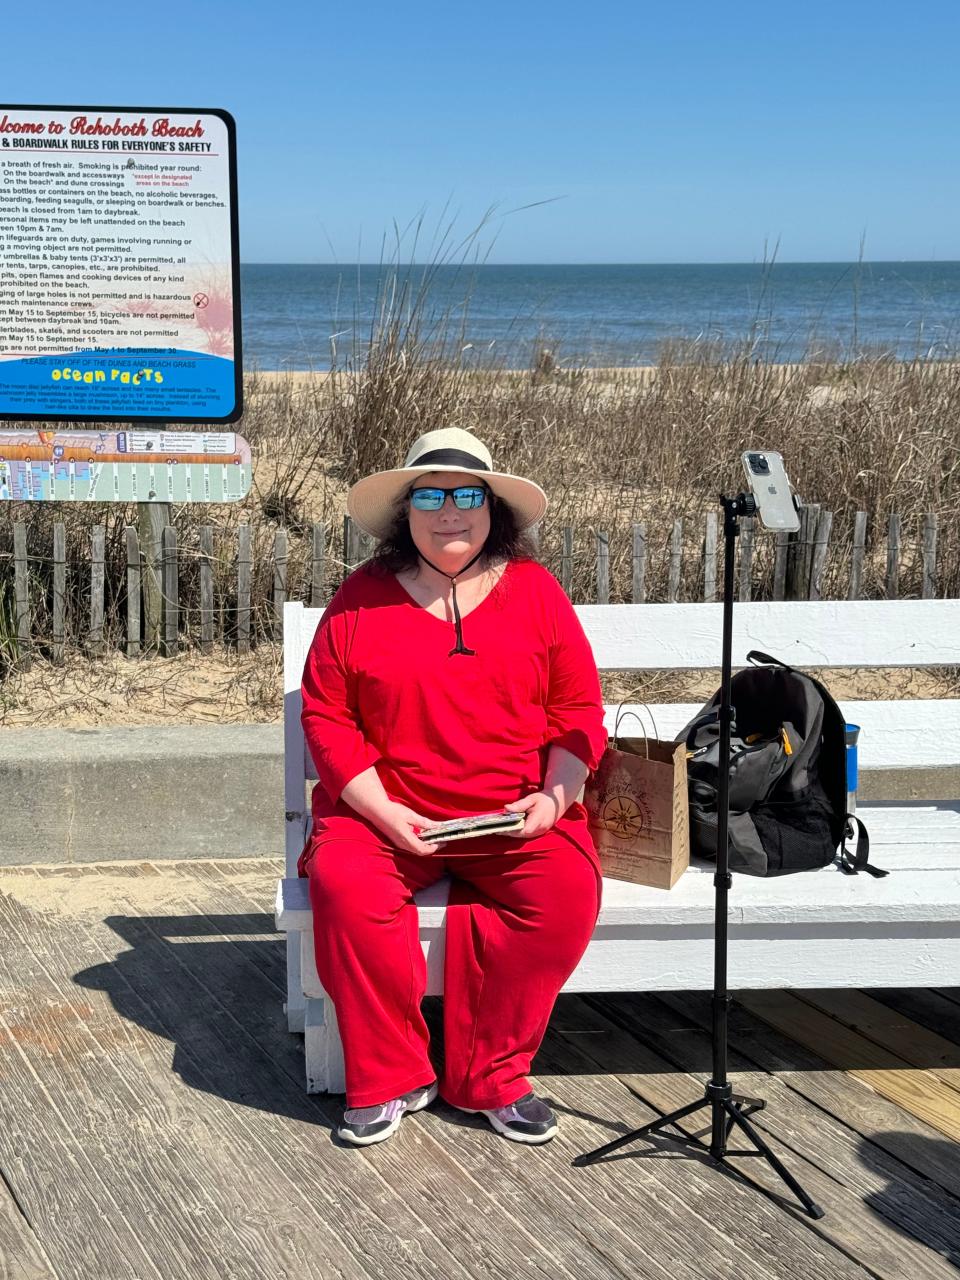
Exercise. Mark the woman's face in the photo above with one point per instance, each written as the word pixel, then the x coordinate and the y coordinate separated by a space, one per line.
pixel 449 537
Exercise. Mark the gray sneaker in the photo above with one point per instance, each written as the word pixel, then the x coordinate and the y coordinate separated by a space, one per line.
pixel 365 1125
pixel 527 1120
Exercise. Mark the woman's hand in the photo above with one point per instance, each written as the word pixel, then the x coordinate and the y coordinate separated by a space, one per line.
pixel 541 811
pixel 565 775
pixel 366 796
pixel 400 825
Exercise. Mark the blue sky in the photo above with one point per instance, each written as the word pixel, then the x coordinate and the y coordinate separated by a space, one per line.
pixel 640 132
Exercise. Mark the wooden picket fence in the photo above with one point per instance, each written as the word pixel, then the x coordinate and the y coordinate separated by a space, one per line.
pixel 231 608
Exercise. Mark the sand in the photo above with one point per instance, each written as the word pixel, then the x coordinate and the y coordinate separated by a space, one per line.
pixel 227 689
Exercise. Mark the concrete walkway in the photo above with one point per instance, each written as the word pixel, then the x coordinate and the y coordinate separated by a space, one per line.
pixel 194 791
pixel 199 791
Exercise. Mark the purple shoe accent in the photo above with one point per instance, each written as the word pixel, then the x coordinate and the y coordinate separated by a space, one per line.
pixel 529 1119
pixel 365 1125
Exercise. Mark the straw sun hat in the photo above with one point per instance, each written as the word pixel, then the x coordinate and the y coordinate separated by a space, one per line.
pixel 371 502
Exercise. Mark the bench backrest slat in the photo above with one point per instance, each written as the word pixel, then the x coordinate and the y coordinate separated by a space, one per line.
pixel 835 633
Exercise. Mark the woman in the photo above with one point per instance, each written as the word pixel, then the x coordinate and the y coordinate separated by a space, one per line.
pixel 449 676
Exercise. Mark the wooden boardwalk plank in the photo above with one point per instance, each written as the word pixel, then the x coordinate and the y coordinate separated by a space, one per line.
pixel 200 968
pixel 885 1027
pixel 21 1257
pixel 885 1127
pixel 917 1091
pixel 475 1162
pixel 825 1157
pixel 565 1214
pixel 111 1080
pixel 621 1202
pixel 43 1146
pixel 396 1192
pixel 903 1256
pixel 127 1072
pixel 929 1008
pixel 697 1222
pixel 842 1130
pixel 336 1192
pixel 734 1226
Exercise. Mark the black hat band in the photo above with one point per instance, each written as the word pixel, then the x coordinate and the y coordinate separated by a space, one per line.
pixel 453 458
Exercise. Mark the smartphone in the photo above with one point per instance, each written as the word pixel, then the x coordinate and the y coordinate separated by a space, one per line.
pixel 771 489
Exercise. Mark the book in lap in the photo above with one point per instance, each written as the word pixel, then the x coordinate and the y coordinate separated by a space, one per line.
pixel 483 824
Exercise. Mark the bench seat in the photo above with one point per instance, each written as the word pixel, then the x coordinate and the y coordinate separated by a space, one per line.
pixel 822 929
pixel 819 929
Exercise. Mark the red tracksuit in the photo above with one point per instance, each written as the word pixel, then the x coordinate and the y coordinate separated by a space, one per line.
pixel 449 736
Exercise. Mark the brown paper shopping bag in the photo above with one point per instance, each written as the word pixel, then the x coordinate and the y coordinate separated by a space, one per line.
pixel 637 807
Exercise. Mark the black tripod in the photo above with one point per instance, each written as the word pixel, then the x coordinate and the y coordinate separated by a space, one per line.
pixel 727 1109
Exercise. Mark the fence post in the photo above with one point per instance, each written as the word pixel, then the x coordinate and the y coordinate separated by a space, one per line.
pixel 279 579
pixel 858 556
pixel 366 544
pixel 639 563
pixel 350 555
pixel 892 581
pixel 800 554
pixel 206 589
pixel 97 540
pixel 152 519
pixel 244 563
pixel 603 567
pixel 566 561
pixel 317 565
pixel 781 556
pixel 818 557
pixel 21 593
pixel 171 591
pixel 929 587
pixel 133 592
pixel 746 558
pixel 676 561
pixel 710 557
pixel 59 590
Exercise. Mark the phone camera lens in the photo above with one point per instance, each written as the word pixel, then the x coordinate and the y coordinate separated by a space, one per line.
pixel 759 465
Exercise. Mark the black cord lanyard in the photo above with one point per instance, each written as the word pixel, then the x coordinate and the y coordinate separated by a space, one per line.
pixel 459 647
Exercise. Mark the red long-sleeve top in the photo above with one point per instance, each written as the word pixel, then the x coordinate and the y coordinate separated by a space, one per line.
pixel 450 735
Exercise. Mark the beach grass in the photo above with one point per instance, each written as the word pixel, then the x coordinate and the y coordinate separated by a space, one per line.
pixel 617 447
pixel 613 448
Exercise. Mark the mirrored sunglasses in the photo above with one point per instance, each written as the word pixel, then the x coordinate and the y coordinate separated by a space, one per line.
pixel 466 497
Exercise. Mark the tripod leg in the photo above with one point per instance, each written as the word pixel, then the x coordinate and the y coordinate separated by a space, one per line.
pixel 747 1106
pixel 812 1208
pixel 727 1130
pixel 660 1123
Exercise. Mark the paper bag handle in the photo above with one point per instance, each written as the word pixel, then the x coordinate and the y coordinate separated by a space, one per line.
pixel 621 714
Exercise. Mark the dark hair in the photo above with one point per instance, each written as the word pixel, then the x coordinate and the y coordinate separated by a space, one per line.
pixel 398 551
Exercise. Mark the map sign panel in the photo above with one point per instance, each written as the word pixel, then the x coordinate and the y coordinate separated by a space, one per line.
pixel 123 466
pixel 119 265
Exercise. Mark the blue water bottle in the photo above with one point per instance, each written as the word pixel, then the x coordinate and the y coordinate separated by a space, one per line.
pixel 851 734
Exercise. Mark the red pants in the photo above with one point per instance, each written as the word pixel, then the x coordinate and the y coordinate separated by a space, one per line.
pixel 519 918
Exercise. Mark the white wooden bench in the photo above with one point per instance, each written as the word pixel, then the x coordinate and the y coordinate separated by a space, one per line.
pixel 819 929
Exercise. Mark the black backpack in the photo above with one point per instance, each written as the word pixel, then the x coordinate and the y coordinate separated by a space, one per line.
pixel 788 790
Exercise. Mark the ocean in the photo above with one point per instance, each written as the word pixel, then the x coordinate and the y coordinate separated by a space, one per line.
pixel 312 317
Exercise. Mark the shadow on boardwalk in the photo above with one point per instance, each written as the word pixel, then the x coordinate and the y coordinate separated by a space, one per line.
pixel 154 1122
